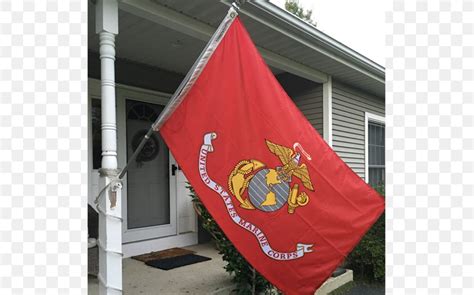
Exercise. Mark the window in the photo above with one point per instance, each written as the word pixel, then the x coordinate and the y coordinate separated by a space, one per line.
pixel 375 150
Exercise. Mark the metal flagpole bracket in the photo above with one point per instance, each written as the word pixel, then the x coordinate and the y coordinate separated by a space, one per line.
pixel 236 4
pixel 114 185
pixel 236 7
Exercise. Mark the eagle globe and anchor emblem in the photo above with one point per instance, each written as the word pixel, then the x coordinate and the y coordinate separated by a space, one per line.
pixel 268 189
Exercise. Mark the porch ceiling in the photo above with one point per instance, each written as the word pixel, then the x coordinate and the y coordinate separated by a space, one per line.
pixel 159 44
pixel 142 41
pixel 145 42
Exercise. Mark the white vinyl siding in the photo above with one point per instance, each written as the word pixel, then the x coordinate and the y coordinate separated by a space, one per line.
pixel 348 120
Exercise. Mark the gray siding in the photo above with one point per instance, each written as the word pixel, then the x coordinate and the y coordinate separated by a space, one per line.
pixel 348 119
pixel 308 97
pixel 311 105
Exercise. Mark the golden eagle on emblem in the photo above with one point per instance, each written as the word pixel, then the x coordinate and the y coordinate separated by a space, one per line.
pixel 268 189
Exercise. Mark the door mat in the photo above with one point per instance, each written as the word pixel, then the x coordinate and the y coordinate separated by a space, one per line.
pixel 168 253
pixel 177 261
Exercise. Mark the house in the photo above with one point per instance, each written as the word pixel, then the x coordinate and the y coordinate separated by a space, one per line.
pixel 142 49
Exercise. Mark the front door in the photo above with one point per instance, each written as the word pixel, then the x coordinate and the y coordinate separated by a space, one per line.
pixel 149 189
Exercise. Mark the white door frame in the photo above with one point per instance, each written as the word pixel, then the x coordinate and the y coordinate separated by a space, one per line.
pixel 152 232
pixel 124 92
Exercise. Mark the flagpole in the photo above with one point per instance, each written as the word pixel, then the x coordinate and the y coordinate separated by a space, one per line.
pixel 187 82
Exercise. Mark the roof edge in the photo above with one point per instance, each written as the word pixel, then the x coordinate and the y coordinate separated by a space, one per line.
pixel 330 43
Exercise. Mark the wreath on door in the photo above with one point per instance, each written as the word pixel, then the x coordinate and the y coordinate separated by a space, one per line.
pixel 144 112
pixel 149 151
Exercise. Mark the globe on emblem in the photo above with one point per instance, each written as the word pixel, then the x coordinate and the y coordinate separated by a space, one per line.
pixel 267 192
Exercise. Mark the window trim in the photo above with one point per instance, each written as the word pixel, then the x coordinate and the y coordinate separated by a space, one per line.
pixel 369 117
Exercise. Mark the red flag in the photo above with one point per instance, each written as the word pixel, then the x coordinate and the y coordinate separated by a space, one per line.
pixel 283 197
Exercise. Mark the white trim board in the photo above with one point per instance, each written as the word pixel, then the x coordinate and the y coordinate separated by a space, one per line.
pixel 94 89
pixel 373 118
pixel 327 111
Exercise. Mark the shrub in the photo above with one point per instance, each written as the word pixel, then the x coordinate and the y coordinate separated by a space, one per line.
pixel 368 257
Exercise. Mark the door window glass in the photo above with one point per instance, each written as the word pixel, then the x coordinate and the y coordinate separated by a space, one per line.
pixel 148 194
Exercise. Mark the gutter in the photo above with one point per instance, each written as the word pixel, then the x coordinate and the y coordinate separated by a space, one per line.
pixel 306 31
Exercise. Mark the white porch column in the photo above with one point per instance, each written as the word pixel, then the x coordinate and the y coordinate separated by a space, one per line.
pixel 327 111
pixel 110 209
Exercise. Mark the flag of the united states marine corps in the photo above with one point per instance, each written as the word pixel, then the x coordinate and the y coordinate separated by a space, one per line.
pixel 282 196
